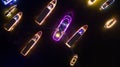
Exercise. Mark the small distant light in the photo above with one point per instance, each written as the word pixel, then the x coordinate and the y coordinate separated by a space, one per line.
pixel 81 32
pixel 110 23
pixel 74 60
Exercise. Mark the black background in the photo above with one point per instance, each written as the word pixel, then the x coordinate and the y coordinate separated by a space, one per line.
pixel 97 48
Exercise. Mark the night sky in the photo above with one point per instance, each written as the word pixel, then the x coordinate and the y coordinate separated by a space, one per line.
pixel 97 47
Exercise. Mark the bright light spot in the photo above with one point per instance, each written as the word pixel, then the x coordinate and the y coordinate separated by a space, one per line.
pixel 57 35
pixel 110 23
pixel 9 15
pixel 91 2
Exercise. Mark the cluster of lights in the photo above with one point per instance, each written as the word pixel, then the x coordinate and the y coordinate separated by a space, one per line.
pixel 58 34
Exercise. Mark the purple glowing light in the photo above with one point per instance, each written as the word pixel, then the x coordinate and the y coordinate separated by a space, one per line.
pixel 62 27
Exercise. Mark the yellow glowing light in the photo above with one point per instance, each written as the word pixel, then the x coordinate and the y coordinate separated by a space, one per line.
pixel 110 23
pixel 57 35
pixel 74 60
pixel 17 21
pixel 8 12
pixel 91 2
